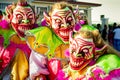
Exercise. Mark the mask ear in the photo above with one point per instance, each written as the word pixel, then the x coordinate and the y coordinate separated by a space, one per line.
pixel 100 51
pixel 8 10
pixel 76 11
pixel 37 16
pixel 71 37
pixel 47 18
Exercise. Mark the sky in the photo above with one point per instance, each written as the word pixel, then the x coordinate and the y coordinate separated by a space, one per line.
pixel 109 8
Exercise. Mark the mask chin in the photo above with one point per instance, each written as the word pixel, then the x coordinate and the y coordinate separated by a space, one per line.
pixel 18 32
pixel 66 42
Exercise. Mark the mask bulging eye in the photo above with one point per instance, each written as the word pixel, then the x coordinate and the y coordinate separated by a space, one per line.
pixel 58 21
pixel 30 17
pixel 85 50
pixel 19 17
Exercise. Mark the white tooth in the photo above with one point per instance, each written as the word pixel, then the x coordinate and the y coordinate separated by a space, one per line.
pixel 64 34
pixel 61 33
pixel 80 63
pixel 74 64
pixel 77 64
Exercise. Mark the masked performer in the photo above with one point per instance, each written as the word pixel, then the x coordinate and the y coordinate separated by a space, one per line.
pixel 14 51
pixel 82 54
pixel 56 35
pixel 61 20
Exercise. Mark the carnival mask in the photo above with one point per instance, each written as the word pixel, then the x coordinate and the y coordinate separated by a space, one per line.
pixel 62 22
pixel 23 18
pixel 81 52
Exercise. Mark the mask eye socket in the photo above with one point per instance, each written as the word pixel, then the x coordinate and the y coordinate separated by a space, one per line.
pixel 84 51
pixel 73 52
pixel 30 17
pixel 69 20
pixel 57 21
pixel 20 17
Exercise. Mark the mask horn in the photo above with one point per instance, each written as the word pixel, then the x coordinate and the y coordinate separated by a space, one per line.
pixel 76 12
pixel 47 18
pixel 22 3
pixel 71 36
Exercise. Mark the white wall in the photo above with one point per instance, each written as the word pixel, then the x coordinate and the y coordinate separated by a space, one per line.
pixel 109 8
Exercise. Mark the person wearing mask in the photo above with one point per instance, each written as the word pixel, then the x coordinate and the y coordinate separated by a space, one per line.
pixel 14 51
pixel 61 20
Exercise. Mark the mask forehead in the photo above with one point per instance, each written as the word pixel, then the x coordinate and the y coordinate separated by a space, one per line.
pixel 78 43
pixel 61 12
pixel 23 9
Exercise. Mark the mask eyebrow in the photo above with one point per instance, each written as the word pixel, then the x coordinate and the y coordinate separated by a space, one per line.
pixel 29 13
pixel 18 12
pixel 62 13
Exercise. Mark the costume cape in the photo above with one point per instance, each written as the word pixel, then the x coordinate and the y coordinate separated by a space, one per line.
pixel 44 36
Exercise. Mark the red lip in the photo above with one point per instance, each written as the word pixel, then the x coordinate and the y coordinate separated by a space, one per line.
pixel 85 63
pixel 78 63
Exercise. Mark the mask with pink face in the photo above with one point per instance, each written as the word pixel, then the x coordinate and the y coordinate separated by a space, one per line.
pixel 61 21
pixel 22 18
pixel 81 51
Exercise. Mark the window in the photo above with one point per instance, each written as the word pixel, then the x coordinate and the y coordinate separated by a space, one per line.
pixel 3 5
pixel 40 10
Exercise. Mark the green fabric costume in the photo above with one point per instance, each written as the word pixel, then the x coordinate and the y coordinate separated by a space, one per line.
pixel 6 33
pixel 43 35
pixel 109 62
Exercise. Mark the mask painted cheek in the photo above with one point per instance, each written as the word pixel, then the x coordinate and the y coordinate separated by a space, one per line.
pixel 55 26
pixel 32 21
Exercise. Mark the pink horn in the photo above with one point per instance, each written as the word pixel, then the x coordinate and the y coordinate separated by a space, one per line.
pixel 71 36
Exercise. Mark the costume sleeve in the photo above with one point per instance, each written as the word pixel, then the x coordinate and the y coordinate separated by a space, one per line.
pixel 4 58
pixel 37 65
